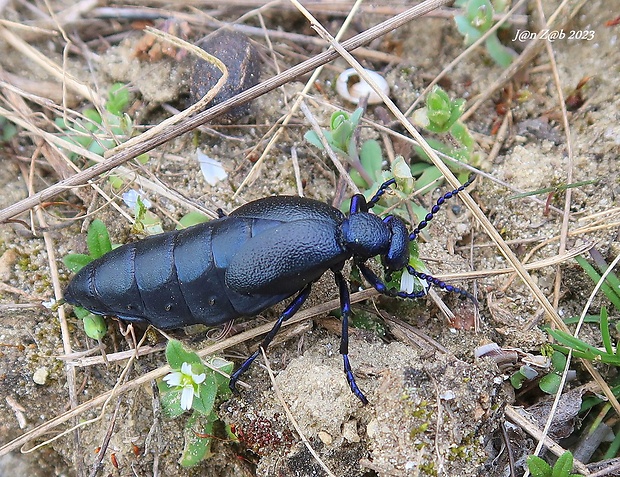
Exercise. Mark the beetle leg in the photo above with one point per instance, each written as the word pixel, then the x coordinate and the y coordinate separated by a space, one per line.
pixel 290 310
pixel 358 204
pixel 448 195
pixel 345 306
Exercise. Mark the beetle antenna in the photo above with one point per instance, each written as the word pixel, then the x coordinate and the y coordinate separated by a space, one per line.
pixel 443 285
pixel 382 188
pixel 448 195
pixel 382 288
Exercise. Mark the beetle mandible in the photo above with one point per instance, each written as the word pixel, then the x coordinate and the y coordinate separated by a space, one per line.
pixel 245 262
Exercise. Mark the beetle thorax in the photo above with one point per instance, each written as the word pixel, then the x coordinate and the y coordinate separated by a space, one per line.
pixel 365 235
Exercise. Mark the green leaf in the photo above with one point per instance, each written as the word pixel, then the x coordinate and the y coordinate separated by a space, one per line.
pixel 80 312
pixel 595 277
pixel 463 25
pixel 208 390
pixel 575 343
pixel 550 383
pixel 337 119
pixel 192 218
pixel 558 360
pixel 95 326
pixel 118 99
pixel 402 173
pixel 563 465
pixel 606 337
pixel 356 116
pixel 221 380
pixel 197 447
pixel 430 175
pixel 98 239
pixel 342 136
pixel 170 402
pixel 371 158
pixel 313 139
pixel 176 355
pixel 500 54
pixel 116 182
pixel 517 380
pixel 76 261
pixel 94 116
pixel 538 467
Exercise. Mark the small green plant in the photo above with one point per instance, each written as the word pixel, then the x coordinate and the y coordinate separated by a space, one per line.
pixel 341 138
pixel 99 132
pixel 441 116
pixel 561 468
pixel 194 387
pixel 476 20
pixel 550 383
pixel 98 243
pixel 145 221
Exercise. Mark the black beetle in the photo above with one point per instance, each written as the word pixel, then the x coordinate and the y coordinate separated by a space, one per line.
pixel 243 263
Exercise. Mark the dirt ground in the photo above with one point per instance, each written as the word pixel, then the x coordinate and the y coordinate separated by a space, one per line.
pixel 435 408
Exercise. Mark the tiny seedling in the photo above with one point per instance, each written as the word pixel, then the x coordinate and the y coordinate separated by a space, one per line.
pixel 441 115
pixel 476 20
pixel 561 468
pixel 98 132
pixel 194 387
pixel 550 383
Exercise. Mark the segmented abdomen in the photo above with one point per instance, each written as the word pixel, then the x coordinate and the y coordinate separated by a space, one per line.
pixel 173 279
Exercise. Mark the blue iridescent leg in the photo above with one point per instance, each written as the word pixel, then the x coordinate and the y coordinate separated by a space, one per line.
pixel 345 306
pixel 423 223
pixel 290 310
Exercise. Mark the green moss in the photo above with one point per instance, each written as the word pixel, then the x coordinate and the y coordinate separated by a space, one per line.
pixel 414 432
pixel 428 468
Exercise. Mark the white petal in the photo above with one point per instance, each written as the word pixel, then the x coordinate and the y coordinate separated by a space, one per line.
pixel 186 369
pixel 173 379
pixel 212 170
pixel 198 378
pixel 187 397
pixel 406 282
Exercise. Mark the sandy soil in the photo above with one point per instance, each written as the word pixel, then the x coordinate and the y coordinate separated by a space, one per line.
pixel 434 409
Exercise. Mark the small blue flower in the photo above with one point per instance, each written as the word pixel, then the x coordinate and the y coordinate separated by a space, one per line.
pixel 187 381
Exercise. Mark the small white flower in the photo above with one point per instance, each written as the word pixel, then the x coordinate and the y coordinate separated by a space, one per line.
pixel 188 382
